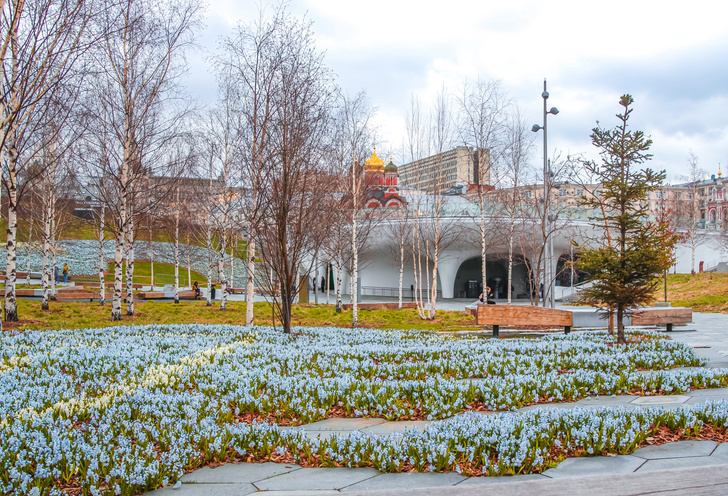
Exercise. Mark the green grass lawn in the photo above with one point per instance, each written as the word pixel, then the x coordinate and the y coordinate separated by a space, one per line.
pixel 163 273
pixel 81 315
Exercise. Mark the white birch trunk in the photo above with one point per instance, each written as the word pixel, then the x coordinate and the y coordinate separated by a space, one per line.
pixel 176 250
pixel 250 289
pixel 221 269
pixel 53 254
pixel 11 308
pixel 209 264
pixel 189 263
pixel 151 258
pixel 328 278
pixel 46 260
pixel 401 270
pixel 338 281
pixel 102 261
pixel 130 263
pixel 116 303
pixel 483 248
pixel 30 240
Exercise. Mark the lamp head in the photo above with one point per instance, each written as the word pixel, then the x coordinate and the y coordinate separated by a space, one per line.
pixel 554 111
pixel 536 128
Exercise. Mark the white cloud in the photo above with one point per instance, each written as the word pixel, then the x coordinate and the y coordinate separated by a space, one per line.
pixel 668 57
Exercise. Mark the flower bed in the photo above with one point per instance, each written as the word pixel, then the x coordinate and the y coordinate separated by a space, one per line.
pixel 130 408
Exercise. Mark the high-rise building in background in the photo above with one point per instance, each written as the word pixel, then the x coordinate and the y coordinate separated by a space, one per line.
pixel 445 170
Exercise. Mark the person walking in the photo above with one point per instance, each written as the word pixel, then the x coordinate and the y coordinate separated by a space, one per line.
pixel 56 272
pixel 66 270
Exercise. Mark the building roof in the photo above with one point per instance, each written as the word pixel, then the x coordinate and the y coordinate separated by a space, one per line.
pixel 374 163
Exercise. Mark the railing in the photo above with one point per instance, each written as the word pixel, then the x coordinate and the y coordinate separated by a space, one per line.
pixel 393 292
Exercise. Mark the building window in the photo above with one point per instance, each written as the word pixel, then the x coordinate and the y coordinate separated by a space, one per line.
pixel 528 193
pixel 579 192
pixel 562 192
pixel 678 195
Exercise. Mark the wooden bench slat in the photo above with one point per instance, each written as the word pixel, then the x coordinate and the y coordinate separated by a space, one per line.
pixel 522 315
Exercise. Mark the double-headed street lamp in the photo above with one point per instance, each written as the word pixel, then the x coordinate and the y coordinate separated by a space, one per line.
pixel 548 292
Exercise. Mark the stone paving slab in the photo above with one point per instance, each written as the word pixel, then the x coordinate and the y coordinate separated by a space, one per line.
pixel 298 493
pixel 673 463
pixel 406 481
pixel 599 465
pixel 602 401
pixel 710 481
pixel 310 479
pixel 721 451
pixel 476 481
pixel 680 449
pixel 694 400
pixel 343 424
pixel 238 472
pixel 675 399
pixel 206 490
pixel 386 428
pixel 708 392
pixel 548 406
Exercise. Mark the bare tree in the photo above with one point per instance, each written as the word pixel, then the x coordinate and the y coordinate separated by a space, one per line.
pixel 516 149
pixel 295 178
pixel 250 65
pixel 482 115
pixel 353 139
pixel 41 42
pixel 140 61
pixel 687 209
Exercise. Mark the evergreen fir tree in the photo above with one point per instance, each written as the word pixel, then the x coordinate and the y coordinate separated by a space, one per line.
pixel 635 249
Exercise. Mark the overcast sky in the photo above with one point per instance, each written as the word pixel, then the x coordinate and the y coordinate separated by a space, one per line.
pixel 671 57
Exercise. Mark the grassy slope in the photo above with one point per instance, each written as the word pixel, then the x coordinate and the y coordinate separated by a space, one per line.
pixel 163 273
pixel 707 292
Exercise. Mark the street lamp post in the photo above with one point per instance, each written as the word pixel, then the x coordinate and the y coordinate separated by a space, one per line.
pixel 548 292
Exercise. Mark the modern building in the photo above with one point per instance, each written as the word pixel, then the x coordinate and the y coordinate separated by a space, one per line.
pixel 446 170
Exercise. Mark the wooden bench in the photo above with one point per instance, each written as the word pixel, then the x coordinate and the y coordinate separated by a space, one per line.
pixel 662 316
pixel 522 315
pixel 20 292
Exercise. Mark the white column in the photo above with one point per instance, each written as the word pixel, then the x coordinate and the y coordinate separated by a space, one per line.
pixel 448 269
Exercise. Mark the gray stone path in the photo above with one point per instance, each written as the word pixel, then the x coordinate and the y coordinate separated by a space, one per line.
pixel 675 469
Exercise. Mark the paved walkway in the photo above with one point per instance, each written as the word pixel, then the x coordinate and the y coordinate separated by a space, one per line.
pixel 674 469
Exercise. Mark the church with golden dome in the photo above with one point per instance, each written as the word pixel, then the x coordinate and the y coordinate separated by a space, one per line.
pixel 382 183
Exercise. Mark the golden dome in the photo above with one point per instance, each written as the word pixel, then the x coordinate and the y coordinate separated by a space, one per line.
pixel 374 163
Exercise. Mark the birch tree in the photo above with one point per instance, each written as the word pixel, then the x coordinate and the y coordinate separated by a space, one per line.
pixel 251 61
pixel 141 60
pixel 42 41
pixel 482 113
